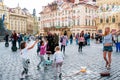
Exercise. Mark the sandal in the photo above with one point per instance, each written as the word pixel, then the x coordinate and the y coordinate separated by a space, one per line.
pixel 106 64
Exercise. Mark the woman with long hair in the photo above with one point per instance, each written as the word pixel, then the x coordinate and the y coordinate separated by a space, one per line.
pixel 80 42
pixel 107 46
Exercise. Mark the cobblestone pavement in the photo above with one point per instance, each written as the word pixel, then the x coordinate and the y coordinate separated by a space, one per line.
pixel 91 57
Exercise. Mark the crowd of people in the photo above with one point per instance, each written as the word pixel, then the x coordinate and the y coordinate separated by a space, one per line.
pixel 17 38
pixel 49 45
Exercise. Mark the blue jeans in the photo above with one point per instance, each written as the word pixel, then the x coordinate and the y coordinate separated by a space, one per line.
pixel 67 42
pixel 71 40
pixel 118 47
pixel 76 41
pixel 88 41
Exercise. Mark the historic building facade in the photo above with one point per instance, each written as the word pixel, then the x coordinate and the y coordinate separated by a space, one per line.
pixel 76 17
pixel 20 20
pixel 17 20
pixel 108 15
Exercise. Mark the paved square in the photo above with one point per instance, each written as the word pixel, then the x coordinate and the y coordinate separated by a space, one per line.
pixel 91 57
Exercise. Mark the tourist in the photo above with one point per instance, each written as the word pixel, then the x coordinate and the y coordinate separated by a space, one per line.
pixel 50 45
pixel 6 38
pixel 63 42
pixel 14 38
pixel 76 38
pixel 25 59
pixel 25 37
pixel 88 39
pixel 71 39
pixel 19 39
pixel 118 43
pixel 58 58
pixel 40 37
pixel 81 40
pixel 97 38
pixel 107 46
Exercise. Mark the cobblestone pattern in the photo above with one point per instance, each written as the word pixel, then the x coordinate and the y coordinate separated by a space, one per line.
pixel 91 57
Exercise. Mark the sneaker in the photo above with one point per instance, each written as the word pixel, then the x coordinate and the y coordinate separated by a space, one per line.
pixel 60 75
pixel 27 75
pixel 106 65
pixel 22 76
pixel 109 67
pixel 38 68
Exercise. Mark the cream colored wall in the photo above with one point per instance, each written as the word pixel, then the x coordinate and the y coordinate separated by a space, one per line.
pixel 19 24
pixel 116 15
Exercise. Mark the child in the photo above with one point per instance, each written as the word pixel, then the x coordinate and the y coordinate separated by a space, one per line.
pixel 58 58
pixel 63 43
pixel 81 41
pixel 42 53
pixel 25 59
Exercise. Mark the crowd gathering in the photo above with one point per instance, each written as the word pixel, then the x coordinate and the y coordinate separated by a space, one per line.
pixel 55 45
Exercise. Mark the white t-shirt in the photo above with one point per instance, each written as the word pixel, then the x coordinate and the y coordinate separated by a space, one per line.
pixel 24 53
pixel 58 57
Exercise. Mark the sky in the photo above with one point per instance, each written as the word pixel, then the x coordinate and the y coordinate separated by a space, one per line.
pixel 29 4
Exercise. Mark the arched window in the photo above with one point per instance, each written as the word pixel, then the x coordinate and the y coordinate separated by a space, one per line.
pixel 107 20
pixel 113 19
pixel 78 22
pixel 86 22
pixel 101 20
pixel 89 22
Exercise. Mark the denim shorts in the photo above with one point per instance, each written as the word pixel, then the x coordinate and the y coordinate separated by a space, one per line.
pixel 108 48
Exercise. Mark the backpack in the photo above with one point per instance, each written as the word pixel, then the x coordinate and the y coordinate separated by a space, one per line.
pixel 61 39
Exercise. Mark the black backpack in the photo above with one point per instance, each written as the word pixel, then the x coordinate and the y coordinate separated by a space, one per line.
pixel 61 39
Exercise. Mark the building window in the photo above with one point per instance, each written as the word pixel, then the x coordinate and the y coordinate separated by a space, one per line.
pixel 86 22
pixel 89 10
pixel 92 23
pixel 69 23
pixel 89 22
pixel 78 22
pixel 113 19
pixel 107 8
pixel 95 23
pixel 101 20
pixel 86 10
pixel 107 20
pixel 73 22
pixel 94 0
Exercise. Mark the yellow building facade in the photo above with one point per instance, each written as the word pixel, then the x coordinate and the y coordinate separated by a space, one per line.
pixel 108 15
pixel 17 20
